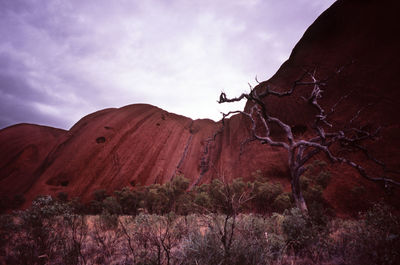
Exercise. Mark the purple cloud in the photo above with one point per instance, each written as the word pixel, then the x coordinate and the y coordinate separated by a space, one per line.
pixel 61 60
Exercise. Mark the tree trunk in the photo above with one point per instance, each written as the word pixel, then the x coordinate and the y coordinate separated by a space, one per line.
pixel 297 194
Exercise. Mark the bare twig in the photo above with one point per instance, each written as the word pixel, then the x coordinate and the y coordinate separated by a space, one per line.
pixel 302 150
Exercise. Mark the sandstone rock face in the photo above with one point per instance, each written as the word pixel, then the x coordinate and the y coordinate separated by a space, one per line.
pixel 354 45
pixel 112 148
pixel 142 144
pixel 24 147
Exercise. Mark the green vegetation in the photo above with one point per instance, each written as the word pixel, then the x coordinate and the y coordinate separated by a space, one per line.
pixel 265 197
pixel 216 223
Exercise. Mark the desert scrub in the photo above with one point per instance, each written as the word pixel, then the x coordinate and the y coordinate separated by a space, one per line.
pixel 208 244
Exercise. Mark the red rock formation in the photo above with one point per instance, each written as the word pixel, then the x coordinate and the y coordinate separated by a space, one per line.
pixel 112 148
pixel 361 39
pixel 24 147
pixel 142 144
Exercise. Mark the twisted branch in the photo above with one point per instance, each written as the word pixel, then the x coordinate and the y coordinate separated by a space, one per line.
pixel 302 150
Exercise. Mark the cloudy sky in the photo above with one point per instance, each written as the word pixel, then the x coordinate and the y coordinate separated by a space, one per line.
pixel 61 60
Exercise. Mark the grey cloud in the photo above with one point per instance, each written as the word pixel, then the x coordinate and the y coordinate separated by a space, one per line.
pixel 14 110
pixel 82 56
pixel 13 83
pixel 11 86
pixel 18 97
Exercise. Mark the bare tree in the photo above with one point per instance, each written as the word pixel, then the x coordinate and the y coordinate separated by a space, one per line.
pixel 323 137
pixel 158 237
pixel 73 231
pixel 228 200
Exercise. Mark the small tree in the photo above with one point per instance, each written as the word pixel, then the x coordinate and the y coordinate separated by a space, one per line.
pixel 301 149
pixel 157 237
pixel 38 239
pixel 227 200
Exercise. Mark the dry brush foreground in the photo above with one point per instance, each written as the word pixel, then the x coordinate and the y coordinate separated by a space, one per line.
pixel 57 232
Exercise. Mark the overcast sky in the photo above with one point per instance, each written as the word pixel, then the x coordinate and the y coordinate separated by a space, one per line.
pixel 61 60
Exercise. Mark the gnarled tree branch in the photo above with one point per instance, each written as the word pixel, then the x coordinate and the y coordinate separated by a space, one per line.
pixel 300 151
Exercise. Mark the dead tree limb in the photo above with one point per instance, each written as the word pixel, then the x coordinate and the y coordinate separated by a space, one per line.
pixel 300 151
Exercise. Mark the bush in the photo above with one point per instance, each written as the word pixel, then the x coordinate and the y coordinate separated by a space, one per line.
pixel 253 245
pixel 305 182
pixel 99 195
pixel 50 232
pixel 297 229
pixel 250 244
pixel 323 179
pixel 108 221
pixel 112 206
pixel 129 200
pixel 313 194
pixel 96 205
pixel 313 186
pixel 179 185
pixel 39 236
pixel 155 199
pixel 282 202
pixel 184 204
pixel 265 195
pixel 162 199
pixel 383 234
pixel 228 198
pixel 203 249
pixel 202 201
pixel 158 237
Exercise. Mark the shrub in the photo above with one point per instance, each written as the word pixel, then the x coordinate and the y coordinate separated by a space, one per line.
pixel 251 244
pixel 297 229
pixel 129 200
pixel 112 206
pixel 96 205
pixel 184 204
pixel 371 239
pixel 158 237
pixel 319 213
pixel 155 199
pixel 265 194
pixel 99 195
pixel 108 221
pixel 282 202
pixel 39 236
pixel 383 234
pixel 201 248
pixel 323 179
pixel 179 185
pixel 51 233
pixel 313 194
pixel 228 198
pixel 305 182
pixel 202 201
pixel 104 235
